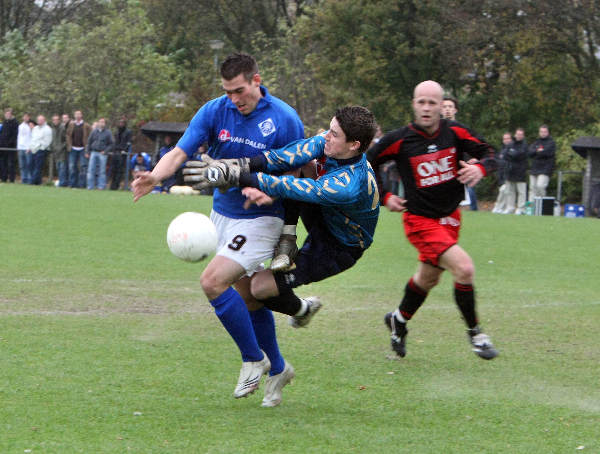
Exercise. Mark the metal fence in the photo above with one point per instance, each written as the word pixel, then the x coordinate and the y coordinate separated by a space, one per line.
pixel 49 166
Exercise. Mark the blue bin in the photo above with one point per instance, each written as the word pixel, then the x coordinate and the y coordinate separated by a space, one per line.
pixel 574 211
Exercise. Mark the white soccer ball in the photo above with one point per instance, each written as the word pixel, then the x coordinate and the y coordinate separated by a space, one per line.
pixel 192 236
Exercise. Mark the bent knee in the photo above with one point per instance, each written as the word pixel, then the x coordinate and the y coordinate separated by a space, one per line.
pixel 263 286
pixel 464 272
pixel 212 284
pixel 426 281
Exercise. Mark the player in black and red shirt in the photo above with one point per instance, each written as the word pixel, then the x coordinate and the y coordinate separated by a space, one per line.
pixel 429 154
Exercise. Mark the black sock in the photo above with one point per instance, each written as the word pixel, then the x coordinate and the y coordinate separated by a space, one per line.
pixel 413 298
pixel 286 303
pixel 464 294
pixel 291 212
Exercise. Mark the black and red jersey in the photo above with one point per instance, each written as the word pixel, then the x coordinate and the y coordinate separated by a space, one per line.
pixel 428 164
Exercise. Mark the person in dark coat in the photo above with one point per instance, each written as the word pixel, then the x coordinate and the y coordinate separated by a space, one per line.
pixel 119 155
pixel 500 205
pixel 516 174
pixel 8 139
pixel 59 149
pixel 543 154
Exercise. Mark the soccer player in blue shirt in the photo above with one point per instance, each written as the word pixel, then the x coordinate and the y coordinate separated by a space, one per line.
pixel 339 209
pixel 243 123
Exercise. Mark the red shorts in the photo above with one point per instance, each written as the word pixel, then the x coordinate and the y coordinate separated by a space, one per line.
pixel 432 237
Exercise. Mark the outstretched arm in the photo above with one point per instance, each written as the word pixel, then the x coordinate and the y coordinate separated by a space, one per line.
pixel 167 166
pixel 225 173
pixel 333 189
pixel 292 156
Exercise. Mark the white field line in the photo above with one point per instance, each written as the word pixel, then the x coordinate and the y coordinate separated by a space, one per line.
pixel 202 308
pixel 451 307
pixel 534 391
pixel 110 311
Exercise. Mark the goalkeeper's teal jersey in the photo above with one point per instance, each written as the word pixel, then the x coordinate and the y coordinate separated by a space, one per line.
pixel 347 192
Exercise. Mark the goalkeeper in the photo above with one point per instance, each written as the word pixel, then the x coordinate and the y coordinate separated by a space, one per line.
pixel 339 209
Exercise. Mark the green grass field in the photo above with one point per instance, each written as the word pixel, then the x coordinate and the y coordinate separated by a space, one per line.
pixel 107 344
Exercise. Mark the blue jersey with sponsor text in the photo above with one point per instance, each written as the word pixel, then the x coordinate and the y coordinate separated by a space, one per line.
pixel 272 124
pixel 347 191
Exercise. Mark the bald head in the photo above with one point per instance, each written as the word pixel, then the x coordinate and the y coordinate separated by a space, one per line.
pixel 427 105
pixel 429 88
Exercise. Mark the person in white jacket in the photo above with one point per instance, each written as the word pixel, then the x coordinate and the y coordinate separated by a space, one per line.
pixel 23 142
pixel 41 138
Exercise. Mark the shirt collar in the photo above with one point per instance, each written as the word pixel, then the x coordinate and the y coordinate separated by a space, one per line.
pixel 419 130
pixel 349 161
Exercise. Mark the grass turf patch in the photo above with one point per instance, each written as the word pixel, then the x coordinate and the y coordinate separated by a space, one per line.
pixel 108 344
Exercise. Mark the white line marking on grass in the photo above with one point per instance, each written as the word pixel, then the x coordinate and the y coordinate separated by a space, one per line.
pixel 110 311
pixel 451 307
pixel 528 389
pixel 560 303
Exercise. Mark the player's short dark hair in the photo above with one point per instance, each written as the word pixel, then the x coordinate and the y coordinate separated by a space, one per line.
pixel 358 123
pixel 239 63
pixel 545 127
pixel 453 99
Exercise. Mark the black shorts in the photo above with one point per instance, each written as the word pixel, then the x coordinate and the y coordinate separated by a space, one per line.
pixel 321 255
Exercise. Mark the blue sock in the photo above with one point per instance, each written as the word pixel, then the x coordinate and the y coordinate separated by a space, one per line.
pixel 264 327
pixel 231 310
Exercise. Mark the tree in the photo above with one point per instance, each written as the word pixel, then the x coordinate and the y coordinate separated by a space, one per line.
pixel 370 53
pixel 108 70
pixel 37 17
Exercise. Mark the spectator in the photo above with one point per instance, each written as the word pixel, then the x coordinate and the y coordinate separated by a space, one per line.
pixel 169 182
pixel 449 108
pixel 516 174
pixel 500 205
pixel 119 155
pixel 595 200
pixel 78 132
pixel 99 145
pixel 449 111
pixel 141 162
pixel 8 139
pixel 201 150
pixel 41 139
pixel 542 153
pixel 66 120
pixel 59 149
pixel 23 144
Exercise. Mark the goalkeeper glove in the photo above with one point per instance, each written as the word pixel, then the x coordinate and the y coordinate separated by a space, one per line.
pixel 215 173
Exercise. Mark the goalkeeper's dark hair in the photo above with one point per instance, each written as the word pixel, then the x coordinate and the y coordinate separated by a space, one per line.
pixel 239 63
pixel 358 123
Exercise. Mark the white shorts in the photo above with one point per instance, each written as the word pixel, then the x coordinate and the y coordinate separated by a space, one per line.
pixel 248 242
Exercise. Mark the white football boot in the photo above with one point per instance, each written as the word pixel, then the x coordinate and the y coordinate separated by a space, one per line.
pixel 313 306
pixel 274 386
pixel 250 376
